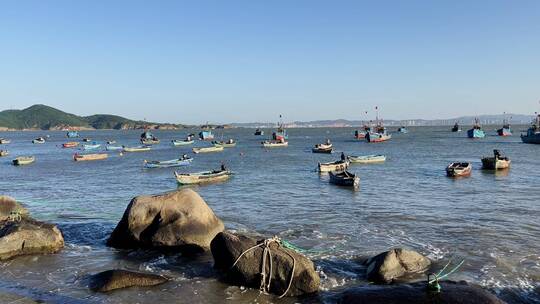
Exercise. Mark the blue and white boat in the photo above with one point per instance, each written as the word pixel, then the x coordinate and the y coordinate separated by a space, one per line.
pixel 114 148
pixel 72 134
pixel 533 133
pixel 505 130
pixel 402 130
pixel 183 161
pixel 476 131
pixel 206 135
pixel 91 146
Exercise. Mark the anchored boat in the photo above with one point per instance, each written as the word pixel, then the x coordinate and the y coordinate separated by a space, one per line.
pixel 114 148
pixel 456 128
pixel 402 129
pixel 4 141
pixel 185 142
pixel 206 135
pixel 207 149
pixel 4 153
pixel 274 143
pixel 259 132
pixel 323 148
pixel 183 161
pixel 147 138
pixel 380 134
pixel 281 133
pixel 88 157
pixel 476 131
pixel 71 144
pixel 72 134
pixel 458 169
pixel 367 159
pixel 23 160
pixel 345 178
pixel 137 149
pixel 91 146
pixel 225 144
pixel 496 162
pixel 361 134
pixel 39 140
pixel 505 130
pixel 533 133
pixel 339 165
pixel 202 177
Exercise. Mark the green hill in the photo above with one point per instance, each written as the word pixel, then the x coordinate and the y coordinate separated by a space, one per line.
pixel 47 118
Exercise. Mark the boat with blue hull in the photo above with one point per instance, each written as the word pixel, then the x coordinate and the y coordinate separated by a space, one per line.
pixel 72 134
pixel 206 135
pixel 533 133
pixel 380 134
pixel 476 131
pixel 183 161
pixel 402 130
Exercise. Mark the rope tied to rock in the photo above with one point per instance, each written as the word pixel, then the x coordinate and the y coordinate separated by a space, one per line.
pixel 433 284
pixel 266 279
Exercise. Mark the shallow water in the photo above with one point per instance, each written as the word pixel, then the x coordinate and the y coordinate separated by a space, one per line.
pixel 490 220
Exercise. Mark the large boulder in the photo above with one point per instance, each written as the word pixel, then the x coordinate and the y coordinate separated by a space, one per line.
pixel 9 205
pixel 28 236
pixel 117 278
pixel 451 293
pixel 393 264
pixel 179 219
pixel 227 248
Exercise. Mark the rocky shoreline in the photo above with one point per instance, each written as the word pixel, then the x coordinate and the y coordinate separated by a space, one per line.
pixel 181 221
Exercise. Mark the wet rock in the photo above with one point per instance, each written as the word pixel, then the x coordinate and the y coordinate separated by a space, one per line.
pixel 227 247
pixel 9 205
pixel 451 293
pixel 179 219
pixel 390 265
pixel 28 236
pixel 117 278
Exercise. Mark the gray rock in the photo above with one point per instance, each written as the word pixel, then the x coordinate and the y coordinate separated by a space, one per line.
pixel 117 278
pixel 390 265
pixel 28 236
pixel 451 293
pixel 227 247
pixel 8 205
pixel 179 219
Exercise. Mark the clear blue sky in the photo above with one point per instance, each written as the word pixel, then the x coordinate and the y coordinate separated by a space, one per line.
pixel 242 61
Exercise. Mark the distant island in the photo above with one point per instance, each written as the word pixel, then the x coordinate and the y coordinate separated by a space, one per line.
pixel 42 117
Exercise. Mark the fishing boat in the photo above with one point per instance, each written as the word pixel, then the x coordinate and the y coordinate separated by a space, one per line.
pixel 323 148
pixel 137 149
pixel 183 161
pixel 206 135
pixel 4 153
pixel 147 138
pixel 274 143
pixel 344 178
pixel 114 148
pixel 184 142
pixel 4 141
pixel 259 132
pixel 476 131
pixel 339 165
pixel 496 162
pixel 280 134
pixel 505 130
pixel 367 159
pixel 402 130
pixel 225 144
pixel 207 149
pixel 72 134
pixel 456 128
pixel 202 177
pixel 533 133
pixel 71 144
pixel 458 169
pixel 87 139
pixel 361 134
pixel 88 157
pixel 380 134
pixel 23 160
pixel 91 146
pixel 39 140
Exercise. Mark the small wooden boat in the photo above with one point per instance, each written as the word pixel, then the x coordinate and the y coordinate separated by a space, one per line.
pixel 114 148
pixel 71 144
pixel 259 132
pixel 111 142
pixel 86 140
pixel 91 146
pixel 339 165
pixel 323 148
pixel 183 161
pixel 39 140
pixel 184 142
pixel 225 144
pixel 367 159
pixel 87 157
pixel 379 136
pixel 345 178
pixel 458 169
pixel 137 149
pixel 23 160
pixel 497 162
pixel 150 141
pixel 402 130
pixel 533 133
pixel 275 143
pixel 4 141
pixel 4 153
pixel 207 149
pixel 202 177
pixel 72 134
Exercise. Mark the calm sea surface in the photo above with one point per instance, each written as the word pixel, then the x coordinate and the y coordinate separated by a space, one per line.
pixel 490 220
